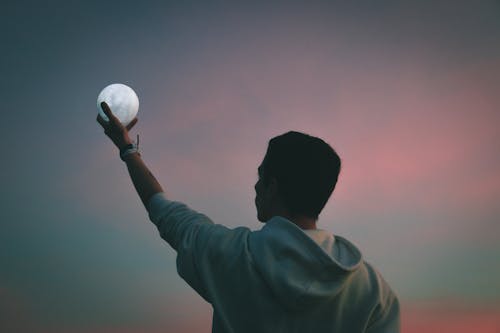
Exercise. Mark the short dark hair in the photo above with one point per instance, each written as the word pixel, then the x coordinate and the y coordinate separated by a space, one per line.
pixel 306 169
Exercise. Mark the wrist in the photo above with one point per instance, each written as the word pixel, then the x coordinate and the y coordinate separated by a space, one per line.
pixel 128 150
pixel 123 145
pixel 129 157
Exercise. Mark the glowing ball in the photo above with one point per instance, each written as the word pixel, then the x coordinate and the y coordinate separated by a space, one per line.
pixel 122 101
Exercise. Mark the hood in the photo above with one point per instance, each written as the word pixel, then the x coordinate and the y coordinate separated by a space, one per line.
pixel 296 268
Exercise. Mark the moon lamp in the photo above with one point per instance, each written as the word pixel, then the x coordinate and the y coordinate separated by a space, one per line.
pixel 122 101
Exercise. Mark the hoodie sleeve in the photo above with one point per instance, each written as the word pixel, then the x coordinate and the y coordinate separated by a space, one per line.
pixel 203 248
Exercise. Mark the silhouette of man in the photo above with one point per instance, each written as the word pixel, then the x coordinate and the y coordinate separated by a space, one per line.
pixel 288 276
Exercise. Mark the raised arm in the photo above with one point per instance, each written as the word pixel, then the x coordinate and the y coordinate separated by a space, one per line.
pixel 144 182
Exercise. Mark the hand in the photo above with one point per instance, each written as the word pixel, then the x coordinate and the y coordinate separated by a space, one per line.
pixel 114 128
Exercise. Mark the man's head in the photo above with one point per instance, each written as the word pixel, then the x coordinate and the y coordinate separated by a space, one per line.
pixel 298 175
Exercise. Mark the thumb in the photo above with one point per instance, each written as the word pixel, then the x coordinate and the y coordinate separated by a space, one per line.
pixel 131 124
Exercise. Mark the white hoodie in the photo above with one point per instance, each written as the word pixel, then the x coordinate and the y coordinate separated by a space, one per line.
pixel 277 279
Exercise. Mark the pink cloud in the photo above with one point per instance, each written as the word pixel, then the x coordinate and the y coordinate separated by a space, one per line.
pixel 450 317
pixel 415 138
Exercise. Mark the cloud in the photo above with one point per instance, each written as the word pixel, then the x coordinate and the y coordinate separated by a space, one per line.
pixel 450 317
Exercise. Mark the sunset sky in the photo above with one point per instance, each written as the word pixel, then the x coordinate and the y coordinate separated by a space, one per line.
pixel 407 92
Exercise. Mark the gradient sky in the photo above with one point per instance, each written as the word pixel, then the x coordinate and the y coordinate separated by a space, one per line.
pixel 406 92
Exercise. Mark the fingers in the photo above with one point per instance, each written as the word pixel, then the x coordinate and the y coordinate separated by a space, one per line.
pixel 101 121
pixel 131 124
pixel 107 111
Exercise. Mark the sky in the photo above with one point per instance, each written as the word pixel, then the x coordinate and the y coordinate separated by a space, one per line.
pixel 407 92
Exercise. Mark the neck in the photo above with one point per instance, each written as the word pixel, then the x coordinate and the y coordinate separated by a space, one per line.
pixel 304 222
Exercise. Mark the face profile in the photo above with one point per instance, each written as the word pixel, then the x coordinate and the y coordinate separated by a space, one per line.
pixel 260 196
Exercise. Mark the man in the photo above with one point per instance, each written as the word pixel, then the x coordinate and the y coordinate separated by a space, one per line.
pixel 287 277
